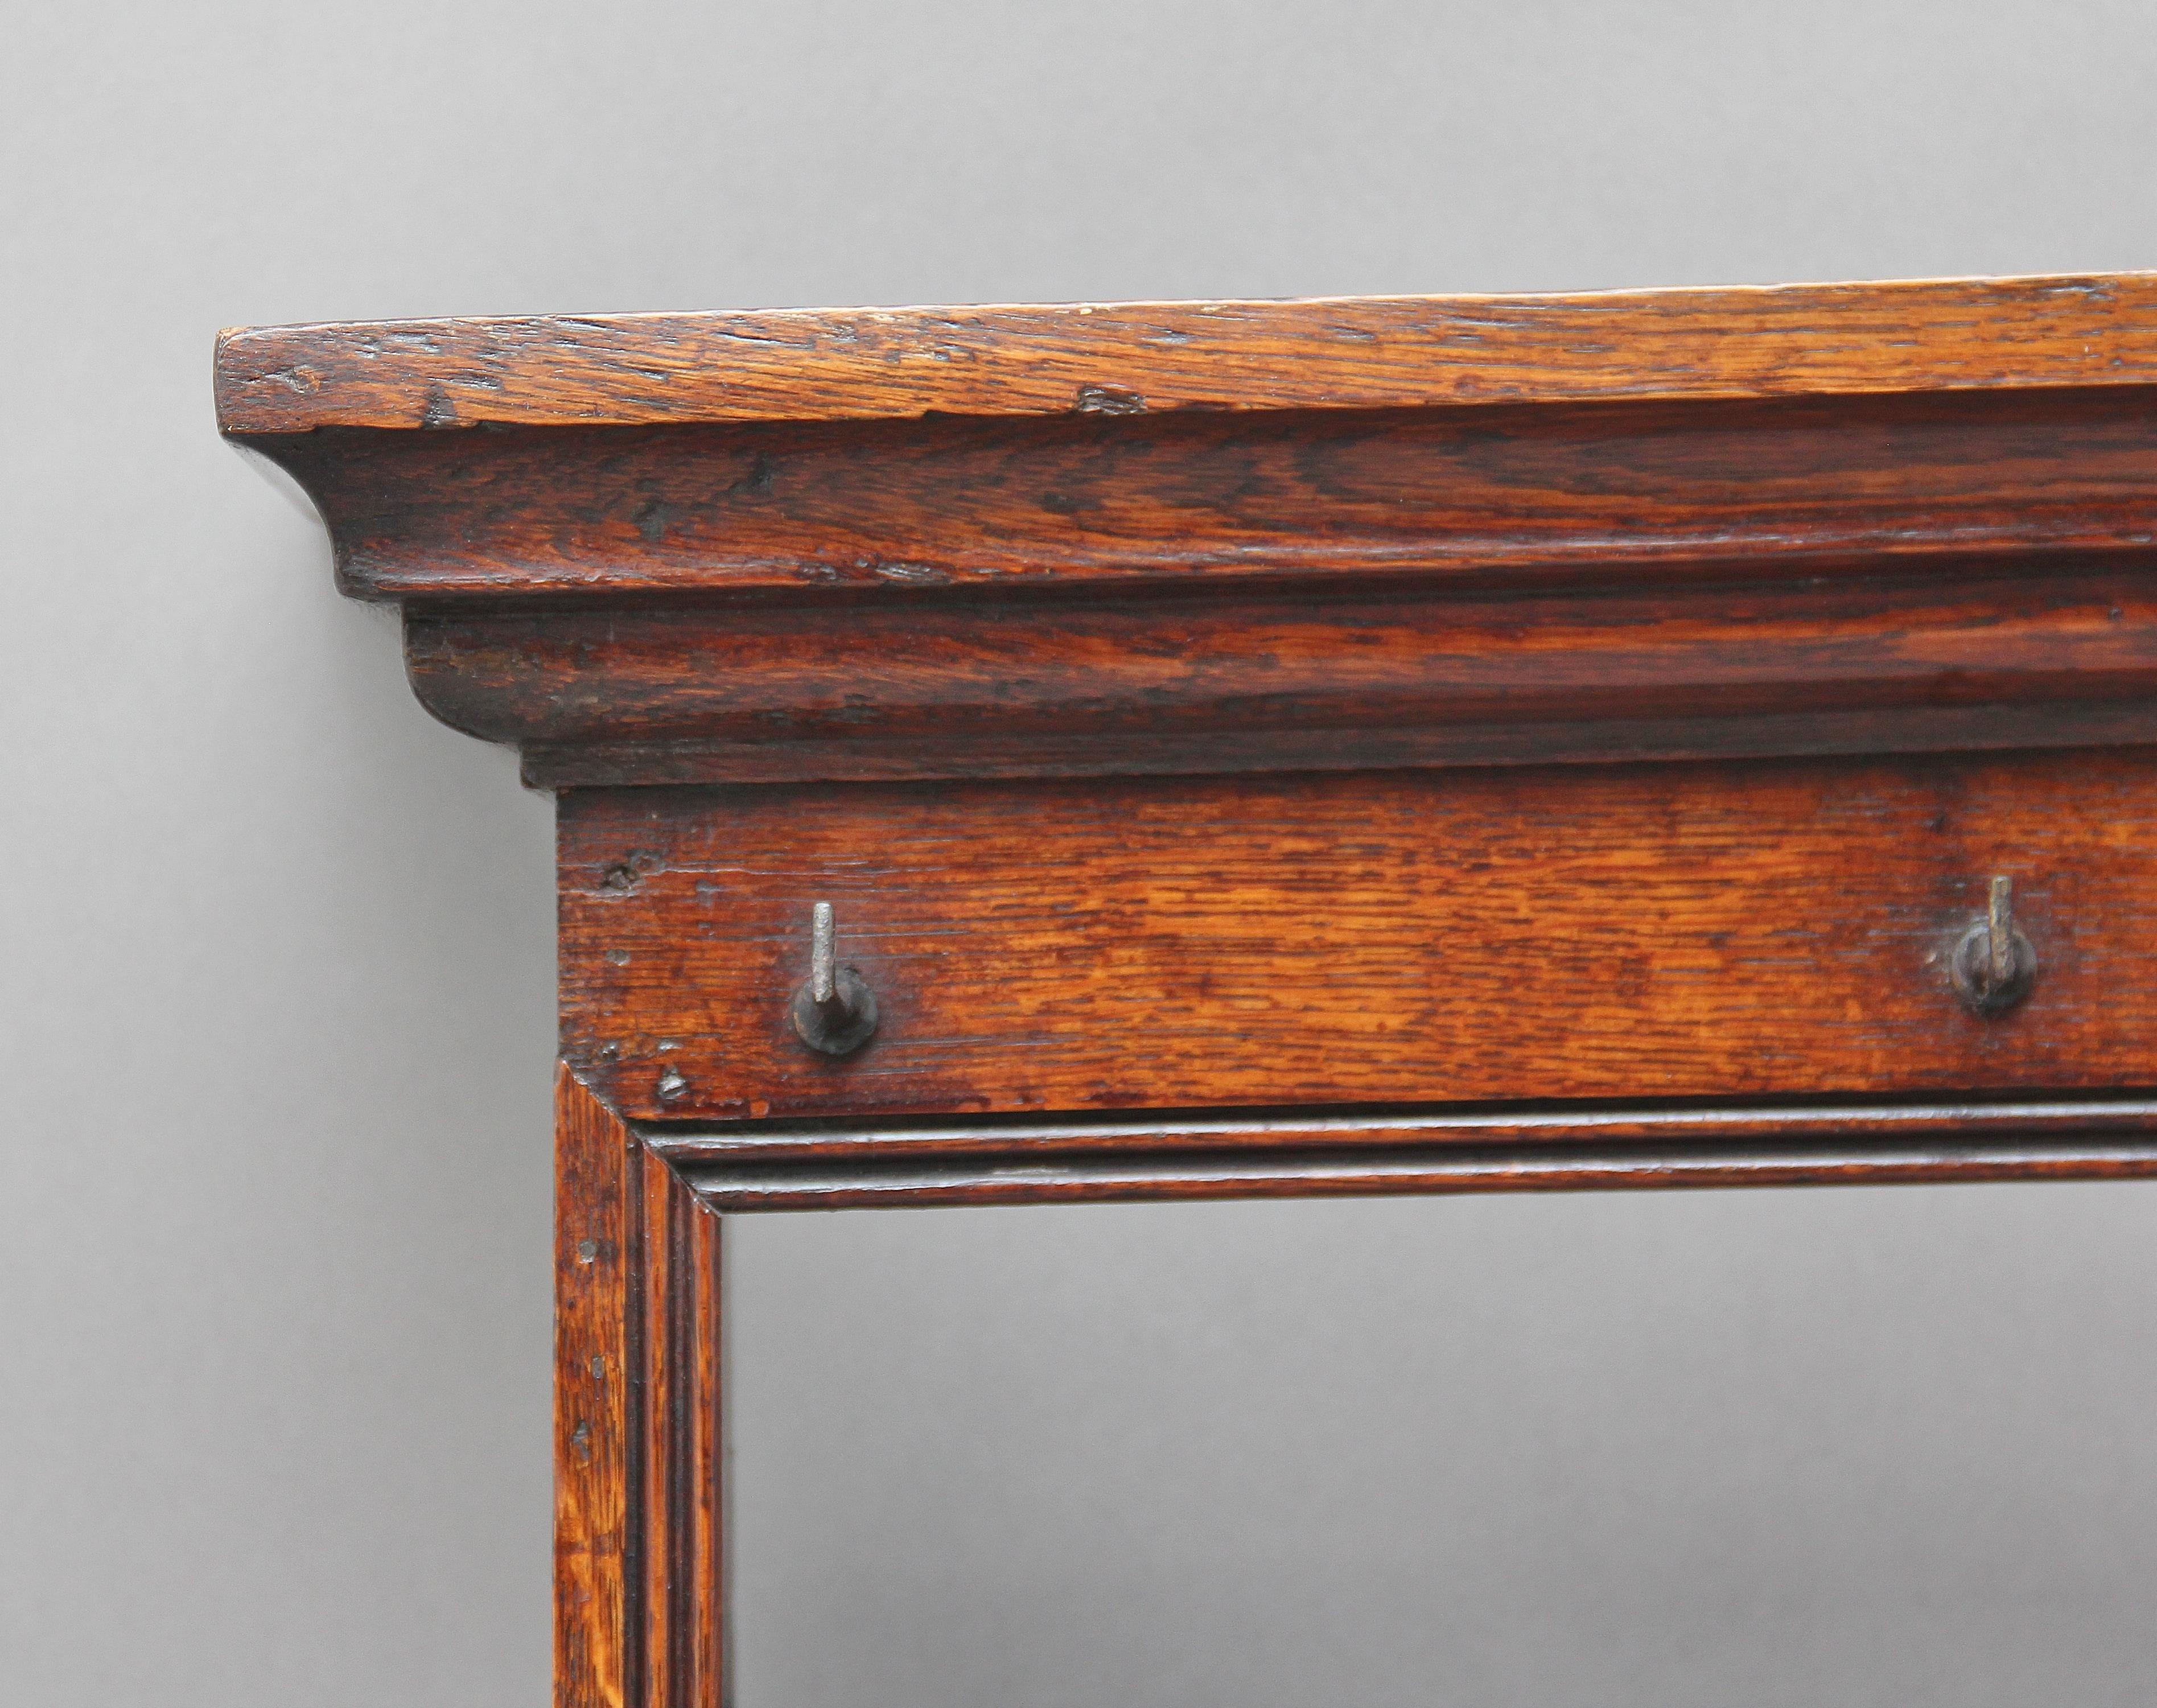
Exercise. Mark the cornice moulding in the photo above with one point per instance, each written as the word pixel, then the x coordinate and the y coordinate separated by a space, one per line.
pixel 799 545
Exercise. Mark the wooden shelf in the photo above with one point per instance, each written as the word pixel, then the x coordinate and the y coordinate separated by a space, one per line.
pixel 1230 741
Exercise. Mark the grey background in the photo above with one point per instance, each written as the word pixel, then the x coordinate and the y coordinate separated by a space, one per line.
pixel 275 951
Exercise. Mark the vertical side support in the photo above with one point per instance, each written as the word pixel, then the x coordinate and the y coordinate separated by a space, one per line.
pixel 640 1541
pixel 595 1251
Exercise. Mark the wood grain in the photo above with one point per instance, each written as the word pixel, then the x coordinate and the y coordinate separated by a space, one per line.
pixel 794 364
pixel 594 1403
pixel 818 557
pixel 1654 933
pixel 1608 494
pixel 640 1546
pixel 985 687
pixel 932 544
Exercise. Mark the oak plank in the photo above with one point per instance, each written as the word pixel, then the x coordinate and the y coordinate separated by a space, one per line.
pixel 1641 932
pixel 982 687
pixel 1119 358
pixel 1509 495
pixel 594 1410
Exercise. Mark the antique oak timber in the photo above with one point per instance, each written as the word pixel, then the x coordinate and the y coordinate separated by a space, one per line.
pixel 1688 737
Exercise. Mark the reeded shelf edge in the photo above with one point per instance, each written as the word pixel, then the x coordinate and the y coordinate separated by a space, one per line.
pixel 1032 1137
pixel 1140 1155
pixel 1136 1155
pixel 835 1186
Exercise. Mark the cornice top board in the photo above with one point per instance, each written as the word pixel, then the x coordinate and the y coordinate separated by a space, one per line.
pixel 1375 353
pixel 793 544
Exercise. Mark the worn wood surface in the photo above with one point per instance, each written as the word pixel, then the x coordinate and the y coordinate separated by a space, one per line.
pixel 1652 932
pixel 594 1447
pixel 984 687
pixel 885 544
pixel 791 364
pixel 639 1545
pixel 824 552
pixel 1510 495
